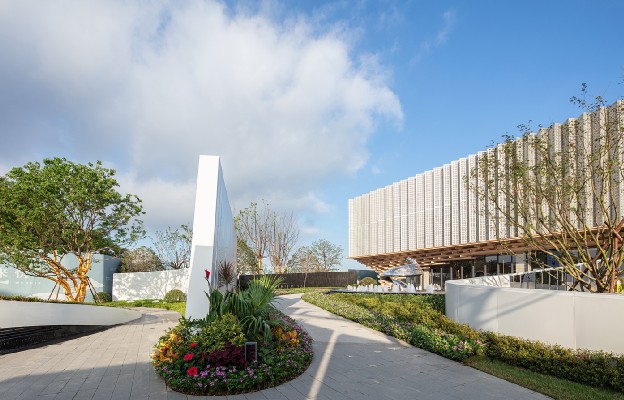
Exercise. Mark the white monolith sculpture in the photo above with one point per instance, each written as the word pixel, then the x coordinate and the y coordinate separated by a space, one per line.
pixel 214 235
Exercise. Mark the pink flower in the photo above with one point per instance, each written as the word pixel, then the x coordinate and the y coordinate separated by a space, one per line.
pixel 189 357
pixel 193 344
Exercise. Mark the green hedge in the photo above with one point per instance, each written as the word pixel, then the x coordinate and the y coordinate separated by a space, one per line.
pixel 595 368
pixel 446 344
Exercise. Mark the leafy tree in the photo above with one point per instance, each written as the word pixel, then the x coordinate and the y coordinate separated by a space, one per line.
pixel 560 190
pixel 58 208
pixel 328 255
pixel 246 260
pixel 142 259
pixel 173 248
pixel 321 256
pixel 303 260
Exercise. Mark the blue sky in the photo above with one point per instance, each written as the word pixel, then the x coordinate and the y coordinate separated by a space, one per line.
pixel 308 103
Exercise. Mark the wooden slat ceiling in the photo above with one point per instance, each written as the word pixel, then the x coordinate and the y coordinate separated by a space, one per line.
pixel 432 256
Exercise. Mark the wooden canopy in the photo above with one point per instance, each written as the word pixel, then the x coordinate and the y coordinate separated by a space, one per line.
pixel 441 255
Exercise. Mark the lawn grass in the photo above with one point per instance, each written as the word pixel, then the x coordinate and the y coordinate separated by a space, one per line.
pixel 556 388
pixel 179 307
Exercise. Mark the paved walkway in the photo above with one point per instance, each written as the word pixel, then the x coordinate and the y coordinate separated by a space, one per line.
pixel 350 362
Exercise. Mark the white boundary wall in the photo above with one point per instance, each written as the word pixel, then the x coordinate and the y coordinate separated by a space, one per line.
pixel 571 319
pixel 22 313
pixel 149 285
pixel 214 235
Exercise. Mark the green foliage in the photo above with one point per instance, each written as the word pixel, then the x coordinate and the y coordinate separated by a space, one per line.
pixel 173 247
pixel 104 297
pixel 181 358
pixel 252 307
pixel 427 310
pixel 320 256
pixel 246 260
pixel 595 368
pixel 557 388
pixel 142 259
pixel 259 298
pixel 217 333
pixel 175 296
pixel 151 303
pixel 592 368
pixel 60 208
pixel 446 344
pixel 368 281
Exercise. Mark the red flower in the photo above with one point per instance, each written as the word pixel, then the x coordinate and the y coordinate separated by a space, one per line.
pixel 207 274
pixel 188 357
pixel 193 344
pixel 192 371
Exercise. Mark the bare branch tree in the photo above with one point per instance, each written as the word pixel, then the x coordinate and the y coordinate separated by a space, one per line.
pixel 174 247
pixel 282 238
pixel 561 191
pixel 253 226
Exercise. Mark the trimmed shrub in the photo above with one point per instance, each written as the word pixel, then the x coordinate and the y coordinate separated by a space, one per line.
pixel 218 333
pixel 594 368
pixel 448 345
pixel 175 296
pixel 368 281
pixel 104 297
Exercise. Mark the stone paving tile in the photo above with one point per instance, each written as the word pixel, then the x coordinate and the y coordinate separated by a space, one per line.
pixel 351 362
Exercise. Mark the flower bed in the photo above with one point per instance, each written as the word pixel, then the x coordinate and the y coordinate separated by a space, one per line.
pixel 420 321
pixel 445 344
pixel 224 372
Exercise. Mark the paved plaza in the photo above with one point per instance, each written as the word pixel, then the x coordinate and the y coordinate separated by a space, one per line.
pixel 350 362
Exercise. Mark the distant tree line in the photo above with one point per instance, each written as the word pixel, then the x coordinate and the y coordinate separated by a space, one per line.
pixel 263 233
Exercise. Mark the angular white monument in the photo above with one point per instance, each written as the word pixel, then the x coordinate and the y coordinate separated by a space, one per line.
pixel 214 235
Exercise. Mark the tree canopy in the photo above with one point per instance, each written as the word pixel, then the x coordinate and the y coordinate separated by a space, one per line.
pixel 58 208
pixel 320 256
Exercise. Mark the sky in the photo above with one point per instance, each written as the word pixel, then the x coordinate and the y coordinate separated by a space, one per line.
pixel 308 104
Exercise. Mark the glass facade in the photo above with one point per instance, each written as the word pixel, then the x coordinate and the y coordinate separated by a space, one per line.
pixel 491 265
pixel 502 265
pixel 479 267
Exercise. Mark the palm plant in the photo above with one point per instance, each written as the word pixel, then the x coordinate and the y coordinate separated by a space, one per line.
pixel 252 307
pixel 259 298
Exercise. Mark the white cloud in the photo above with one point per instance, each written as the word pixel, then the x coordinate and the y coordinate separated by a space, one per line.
pixel 440 38
pixel 149 86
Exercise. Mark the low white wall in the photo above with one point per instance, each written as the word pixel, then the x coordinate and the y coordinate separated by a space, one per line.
pixel 149 285
pixel 571 319
pixel 21 313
